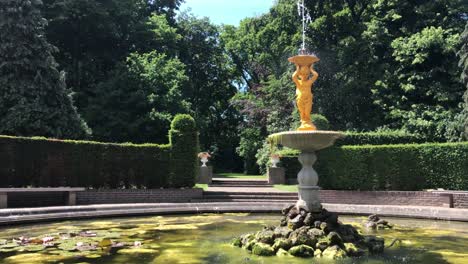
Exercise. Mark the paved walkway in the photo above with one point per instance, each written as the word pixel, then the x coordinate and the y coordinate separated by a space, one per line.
pixel 240 185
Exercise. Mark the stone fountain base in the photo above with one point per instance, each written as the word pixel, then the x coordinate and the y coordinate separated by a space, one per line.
pixel 310 234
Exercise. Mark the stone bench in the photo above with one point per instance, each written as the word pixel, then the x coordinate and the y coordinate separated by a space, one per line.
pixel 71 193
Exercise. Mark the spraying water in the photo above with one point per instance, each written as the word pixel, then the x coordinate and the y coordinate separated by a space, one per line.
pixel 305 15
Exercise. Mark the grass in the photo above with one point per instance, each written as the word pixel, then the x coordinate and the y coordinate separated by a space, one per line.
pixel 203 186
pixel 287 188
pixel 239 176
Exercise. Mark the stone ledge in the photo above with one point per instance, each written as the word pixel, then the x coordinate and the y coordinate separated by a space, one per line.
pixel 60 213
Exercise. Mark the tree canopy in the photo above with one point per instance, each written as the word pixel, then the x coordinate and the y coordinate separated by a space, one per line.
pixel 134 64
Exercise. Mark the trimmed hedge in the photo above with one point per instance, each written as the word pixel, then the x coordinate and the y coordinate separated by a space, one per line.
pixel 379 138
pixel 46 162
pixel 407 167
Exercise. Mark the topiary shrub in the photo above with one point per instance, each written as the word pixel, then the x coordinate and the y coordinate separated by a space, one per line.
pixel 184 148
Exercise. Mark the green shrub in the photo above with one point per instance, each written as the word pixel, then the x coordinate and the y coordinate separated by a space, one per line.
pixel 379 138
pixel 184 149
pixel 389 167
pixel 321 122
pixel 50 162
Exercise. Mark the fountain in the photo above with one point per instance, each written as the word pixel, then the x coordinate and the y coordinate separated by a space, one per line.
pixel 307 229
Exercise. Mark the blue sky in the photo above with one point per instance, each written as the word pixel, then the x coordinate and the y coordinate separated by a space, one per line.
pixel 227 11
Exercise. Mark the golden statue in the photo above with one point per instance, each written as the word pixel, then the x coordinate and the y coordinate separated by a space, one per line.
pixel 304 81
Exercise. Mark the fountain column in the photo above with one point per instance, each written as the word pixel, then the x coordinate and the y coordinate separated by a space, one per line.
pixel 308 179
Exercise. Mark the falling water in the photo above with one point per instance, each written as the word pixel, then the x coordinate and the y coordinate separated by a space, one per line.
pixel 305 15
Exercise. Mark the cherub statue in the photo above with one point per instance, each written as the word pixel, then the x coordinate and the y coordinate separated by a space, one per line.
pixel 304 96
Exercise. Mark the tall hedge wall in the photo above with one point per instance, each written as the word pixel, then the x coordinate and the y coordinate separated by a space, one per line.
pixel 48 162
pixel 390 167
pixel 379 138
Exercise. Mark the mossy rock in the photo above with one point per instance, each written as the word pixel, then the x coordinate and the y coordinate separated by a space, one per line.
pixel 323 243
pixel 318 253
pixel 249 245
pixel 353 250
pixel 262 249
pixel 302 251
pixel 374 244
pixel 247 238
pixel 236 242
pixel 282 231
pixel 316 232
pixel 282 253
pixel 282 243
pixel 334 252
pixel 335 238
pixel 265 236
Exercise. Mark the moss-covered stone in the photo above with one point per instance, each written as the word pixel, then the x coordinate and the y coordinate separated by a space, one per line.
pixel 316 232
pixel 353 250
pixel 282 243
pixel 335 238
pixel 282 253
pixel 334 252
pixel 322 243
pixel 236 242
pixel 318 253
pixel 374 244
pixel 282 231
pixel 302 251
pixel 265 236
pixel 262 249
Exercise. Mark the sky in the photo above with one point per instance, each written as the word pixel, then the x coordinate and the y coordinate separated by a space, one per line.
pixel 229 12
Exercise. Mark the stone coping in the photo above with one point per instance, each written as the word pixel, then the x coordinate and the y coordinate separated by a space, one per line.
pixel 43 189
pixel 61 213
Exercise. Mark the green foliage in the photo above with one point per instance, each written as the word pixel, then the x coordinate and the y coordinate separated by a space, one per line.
pixel 461 122
pixel 34 99
pixel 250 143
pixel 49 162
pixel 184 148
pixel 210 88
pixel 418 94
pixel 379 138
pixel 140 100
pixel 390 167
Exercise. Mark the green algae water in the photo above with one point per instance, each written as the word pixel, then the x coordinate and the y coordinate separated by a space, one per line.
pixel 205 238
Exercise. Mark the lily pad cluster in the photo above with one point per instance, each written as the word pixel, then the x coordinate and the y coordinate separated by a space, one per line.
pixel 310 234
pixel 89 244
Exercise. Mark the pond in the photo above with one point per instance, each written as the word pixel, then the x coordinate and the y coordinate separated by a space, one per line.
pixel 205 238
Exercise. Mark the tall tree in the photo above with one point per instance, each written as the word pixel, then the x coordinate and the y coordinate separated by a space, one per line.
pixel 462 118
pixel 210 87
pixel 34 100
pixel 138 103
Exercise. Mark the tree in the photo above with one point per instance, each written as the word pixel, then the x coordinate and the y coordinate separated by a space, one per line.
pixel 211 86
pixel 422 91
pixel 93 36
pixel 462 118
pixel 138 103
pixel 34 100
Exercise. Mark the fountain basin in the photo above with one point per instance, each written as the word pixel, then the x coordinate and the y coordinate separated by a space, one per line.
pixel 306 141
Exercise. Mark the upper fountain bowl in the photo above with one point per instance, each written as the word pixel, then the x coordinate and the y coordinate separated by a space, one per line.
pixel 304 59
pixel 306 140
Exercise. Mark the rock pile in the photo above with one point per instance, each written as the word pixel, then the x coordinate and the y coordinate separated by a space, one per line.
pixel 308 234
pixel 374 222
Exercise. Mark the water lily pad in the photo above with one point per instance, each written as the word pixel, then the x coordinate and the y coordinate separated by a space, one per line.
pixel 106 242
pixel 34 248
pixel 137 250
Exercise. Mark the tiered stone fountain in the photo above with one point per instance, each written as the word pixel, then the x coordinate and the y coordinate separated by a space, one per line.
pixel 306 229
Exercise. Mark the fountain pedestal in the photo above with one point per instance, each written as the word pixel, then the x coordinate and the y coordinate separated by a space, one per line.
pixel 308 142
pixel 308 179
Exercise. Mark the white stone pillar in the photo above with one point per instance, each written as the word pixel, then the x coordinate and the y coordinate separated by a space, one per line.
pixel 308 179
